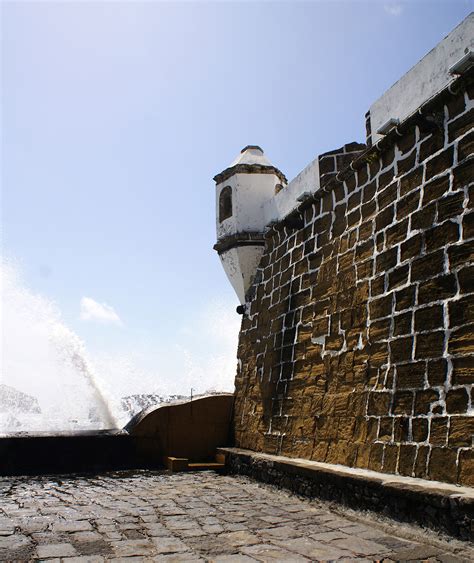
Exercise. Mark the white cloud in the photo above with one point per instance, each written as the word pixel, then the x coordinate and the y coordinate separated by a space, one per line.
pixel 393 9
pixel 91 310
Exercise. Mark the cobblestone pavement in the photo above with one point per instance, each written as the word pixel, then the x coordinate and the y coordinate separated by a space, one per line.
pixel 153 516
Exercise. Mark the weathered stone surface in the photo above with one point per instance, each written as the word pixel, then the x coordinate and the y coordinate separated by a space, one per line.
pixel 435 189
pixel 461 125
pixel 389 316
pixel 439 163
pixel 466 467
pixel 443 465
pixel 463 370
pixel 55 550
pixel 433 143
pixel 457 401
pixel 244 521
pixel 450 206
pixel 424 400
pixel 441 235
pixel 461 340
pixel 429 345
pixel 423 219
pixel 427 266
pixel 461 431
pixel 16 547
pixel 466 147
pixel 440 287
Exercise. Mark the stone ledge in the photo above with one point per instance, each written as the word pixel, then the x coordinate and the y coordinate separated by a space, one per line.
pixel 252 238
pixel 440 506
pixel 249 169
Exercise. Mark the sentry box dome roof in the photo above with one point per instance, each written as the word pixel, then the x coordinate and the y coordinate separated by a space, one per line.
pixel 252 154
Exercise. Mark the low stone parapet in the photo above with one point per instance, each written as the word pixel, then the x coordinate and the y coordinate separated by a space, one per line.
pixel 440 506
pixel 186 429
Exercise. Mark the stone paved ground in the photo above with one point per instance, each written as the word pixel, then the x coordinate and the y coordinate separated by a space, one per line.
pixel 153 516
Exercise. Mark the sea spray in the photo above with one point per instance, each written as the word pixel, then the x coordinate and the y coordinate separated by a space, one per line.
pixel 44 360
pixel 49 382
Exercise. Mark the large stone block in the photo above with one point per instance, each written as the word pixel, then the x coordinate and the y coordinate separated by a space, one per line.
pixel 441 235
pixel 399 276
pixel 435 189
pixel 424 400
pixel 440 287
pixel 401 349
pixel 439 431
pixel 411 247
pixel 442 465
pixel 421 462
pixel 405 298
pixel 419 430
pixel 381 307
pixel 407 142
pixel 390 462
pixel 461 340
pixel 430 145
pixel 463 370
pixel 429 345
pixel 411 375
pixel 429 318
pixel 461 431
pixel 407 459
pixel 437 372
pixel 424 218
pixel 461 254
pixel 450 206
pixel 406 164
pixel 379 403
pixel 460 125
pixel 403 403
pixel 439 163
pixel 466 147
pixel 411 181
pixel 427 266
pixel 466 468
pixel 407 205
pixel 457 401
pixel 461 311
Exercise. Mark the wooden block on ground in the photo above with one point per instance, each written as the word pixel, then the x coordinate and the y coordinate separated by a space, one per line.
pixel 177 463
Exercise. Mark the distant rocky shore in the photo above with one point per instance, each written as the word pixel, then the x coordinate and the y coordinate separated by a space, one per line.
pixel 12 400
pixel 133 404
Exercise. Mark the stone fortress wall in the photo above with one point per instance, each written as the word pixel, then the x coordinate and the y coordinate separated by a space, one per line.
pixel 357 347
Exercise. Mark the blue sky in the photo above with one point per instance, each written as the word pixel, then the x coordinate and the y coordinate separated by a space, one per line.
pixel 116 116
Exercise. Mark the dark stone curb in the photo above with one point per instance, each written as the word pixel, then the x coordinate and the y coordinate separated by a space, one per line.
pixel 239 239
pixel 440 506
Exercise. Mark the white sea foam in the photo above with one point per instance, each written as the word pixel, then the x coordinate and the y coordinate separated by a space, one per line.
pixel 45 360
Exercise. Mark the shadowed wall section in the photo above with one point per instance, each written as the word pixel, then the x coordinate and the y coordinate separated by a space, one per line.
pixel 194 429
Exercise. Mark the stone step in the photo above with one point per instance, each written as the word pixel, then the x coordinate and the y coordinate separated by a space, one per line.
pixel 204 466
pixel 176 464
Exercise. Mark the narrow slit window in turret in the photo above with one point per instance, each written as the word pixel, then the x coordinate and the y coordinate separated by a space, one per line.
pixel 225 204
